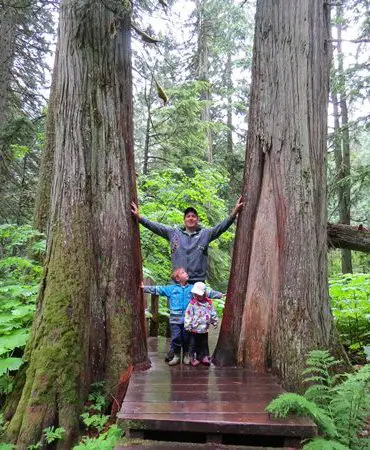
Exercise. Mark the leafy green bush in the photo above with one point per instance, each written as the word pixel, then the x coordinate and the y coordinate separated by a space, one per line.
pixel 350 302
pixel 338 404
pixel 53 434
pixel 105 441
pixel 97 421
pixel 21 250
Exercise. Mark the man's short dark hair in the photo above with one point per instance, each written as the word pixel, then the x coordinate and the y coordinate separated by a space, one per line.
pixel 190 210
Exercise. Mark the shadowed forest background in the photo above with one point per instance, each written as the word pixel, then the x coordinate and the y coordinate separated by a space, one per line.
pixel 191 74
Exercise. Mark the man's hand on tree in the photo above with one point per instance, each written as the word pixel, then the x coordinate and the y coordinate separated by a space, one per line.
pixel 238 207
pixel 135 210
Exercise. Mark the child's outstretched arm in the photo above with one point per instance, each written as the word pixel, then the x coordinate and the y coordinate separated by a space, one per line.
pixel 157 290
pixel 210 293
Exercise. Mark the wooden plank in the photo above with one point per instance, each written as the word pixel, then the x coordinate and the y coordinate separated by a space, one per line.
pixel 168 445
pixel 194 407
pixel 182 371
pixel 232 423
pixel 141 390
pixel 200 395
pixel 222 384
pixel 197 395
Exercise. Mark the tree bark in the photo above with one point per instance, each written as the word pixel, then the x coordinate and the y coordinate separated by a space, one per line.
pixel 43 194
pixel 89 324
pixel 277 306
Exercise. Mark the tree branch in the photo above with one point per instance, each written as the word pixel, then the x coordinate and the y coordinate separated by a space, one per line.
pixel 347 236
pixel 354 41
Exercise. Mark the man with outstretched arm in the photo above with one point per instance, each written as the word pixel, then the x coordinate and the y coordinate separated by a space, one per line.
pixel 189 243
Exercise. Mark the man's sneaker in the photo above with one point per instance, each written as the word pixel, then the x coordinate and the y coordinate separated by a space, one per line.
pixel 169 356
pixel 175 360
pixel 186 359
pixel 195 362
pixel 206 361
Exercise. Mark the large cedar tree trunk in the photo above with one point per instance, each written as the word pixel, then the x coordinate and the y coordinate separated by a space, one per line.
pixel 89 322
pixel 277 307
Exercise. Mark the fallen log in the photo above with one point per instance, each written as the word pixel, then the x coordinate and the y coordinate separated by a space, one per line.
pixel 348 236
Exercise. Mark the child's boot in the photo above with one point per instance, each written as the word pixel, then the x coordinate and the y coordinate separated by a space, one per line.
pixel 175 360
pixel 186 359
pixel 206 361
pixel 169 355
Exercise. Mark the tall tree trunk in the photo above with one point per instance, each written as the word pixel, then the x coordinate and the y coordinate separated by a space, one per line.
pixel 277 306
pixel 7 42
pixel 43 194
pixel 89 323
pixel 148 103
pixel 229 86
pixel 203 71
pixel 341 143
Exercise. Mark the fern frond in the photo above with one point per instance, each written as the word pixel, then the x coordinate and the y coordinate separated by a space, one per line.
pixel 320 394
pixel 319 443
pixel 321 357
pixel 351 405
pixel 324 379
pixel 297 404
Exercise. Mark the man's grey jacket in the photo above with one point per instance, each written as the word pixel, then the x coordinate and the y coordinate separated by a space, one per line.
pixel 189 249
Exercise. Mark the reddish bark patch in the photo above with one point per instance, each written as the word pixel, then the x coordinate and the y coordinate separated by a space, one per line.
pixel 121 390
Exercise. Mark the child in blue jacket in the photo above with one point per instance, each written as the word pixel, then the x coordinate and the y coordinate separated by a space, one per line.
pixel 178 296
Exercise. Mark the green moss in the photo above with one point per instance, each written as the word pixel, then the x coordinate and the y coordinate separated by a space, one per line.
pixel 119 338
pixel 56 350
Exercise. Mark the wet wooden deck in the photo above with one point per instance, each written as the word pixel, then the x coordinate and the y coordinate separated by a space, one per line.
pixel 224 406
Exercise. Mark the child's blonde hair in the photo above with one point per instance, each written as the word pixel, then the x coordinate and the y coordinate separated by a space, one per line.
pixel 174 274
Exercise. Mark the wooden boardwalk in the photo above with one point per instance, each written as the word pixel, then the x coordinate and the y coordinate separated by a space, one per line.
pixel 223 406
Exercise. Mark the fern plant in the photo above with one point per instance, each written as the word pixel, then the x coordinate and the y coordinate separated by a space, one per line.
pixel 338 404
pixel 105 441
pixel 20 273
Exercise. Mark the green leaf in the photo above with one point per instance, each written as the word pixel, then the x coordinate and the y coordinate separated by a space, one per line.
pixel 8 364
pixel 18 338
pixel 319 443
pixel 7 446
